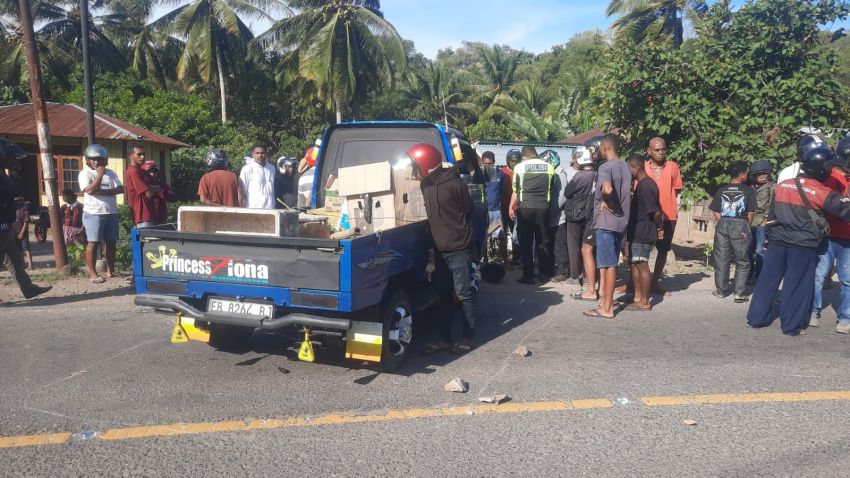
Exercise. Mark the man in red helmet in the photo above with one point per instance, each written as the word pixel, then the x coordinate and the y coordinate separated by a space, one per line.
pixel 449 208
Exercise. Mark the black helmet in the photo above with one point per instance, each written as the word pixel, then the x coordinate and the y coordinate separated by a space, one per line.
pixel 551 157
pixel 760 167
pixel 215 159
pixel 842 150
pixel 285 161
pixel 593 145
pixel 807 143
pixel 515 155
pixel 817 163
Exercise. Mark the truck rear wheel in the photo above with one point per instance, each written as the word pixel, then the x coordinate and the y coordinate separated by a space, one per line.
pixel 397 318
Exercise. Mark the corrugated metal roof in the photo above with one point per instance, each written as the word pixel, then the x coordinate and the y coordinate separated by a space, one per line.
pixel 580 139
pixel 69 121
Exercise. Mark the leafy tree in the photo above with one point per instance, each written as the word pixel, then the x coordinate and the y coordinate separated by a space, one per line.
pixel 65 29
pixel 487 128
pixel 216 38
pixel 345 48
pixel 740 90
pixel 654 19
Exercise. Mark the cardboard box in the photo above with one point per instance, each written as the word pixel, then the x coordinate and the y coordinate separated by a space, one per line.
pixel 409 203
pixel 383 213
pixel 367 179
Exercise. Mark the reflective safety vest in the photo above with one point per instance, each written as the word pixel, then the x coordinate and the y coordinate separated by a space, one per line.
pixel 533 182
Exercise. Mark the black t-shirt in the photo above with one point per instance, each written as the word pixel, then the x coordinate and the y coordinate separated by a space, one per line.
pixel 734 200
pixel 644 207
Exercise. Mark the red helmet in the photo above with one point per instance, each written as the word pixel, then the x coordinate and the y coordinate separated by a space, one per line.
pixel 149 165
pixel 310 156
pixel 426 157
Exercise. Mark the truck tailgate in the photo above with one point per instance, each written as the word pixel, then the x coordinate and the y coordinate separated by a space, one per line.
pixel 294 263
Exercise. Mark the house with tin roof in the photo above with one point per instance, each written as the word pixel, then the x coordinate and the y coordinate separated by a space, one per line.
pixel 68 133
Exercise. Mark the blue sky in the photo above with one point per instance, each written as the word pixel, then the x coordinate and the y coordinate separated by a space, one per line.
pixel 533 26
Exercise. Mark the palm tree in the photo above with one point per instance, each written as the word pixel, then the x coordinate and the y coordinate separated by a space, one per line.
pixel 435 92
pixel 344 47
pixel 640 19
pixel 216 38
pixel 65 30
pixel 55 60
pixel 498 69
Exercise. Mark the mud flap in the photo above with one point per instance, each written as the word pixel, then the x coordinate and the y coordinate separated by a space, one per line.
pixel 364 341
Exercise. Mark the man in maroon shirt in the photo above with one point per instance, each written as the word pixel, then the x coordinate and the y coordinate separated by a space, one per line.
pixel 219 187
pixel 137 190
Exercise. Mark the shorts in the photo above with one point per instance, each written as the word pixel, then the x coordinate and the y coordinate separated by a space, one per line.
pixel 101 227
pixel 589 236
pixel 23 244
pixel 608 248
pixel 665 244
pixel 639 252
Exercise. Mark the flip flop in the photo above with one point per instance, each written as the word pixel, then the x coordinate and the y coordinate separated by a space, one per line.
pixel 584 299
pixel 634 308
pixel 596 314
pixel 434 348
pixel 741 299
pixel 99 280
pixel 461 349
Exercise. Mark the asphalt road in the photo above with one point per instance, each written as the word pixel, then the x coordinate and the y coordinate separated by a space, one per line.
pixel 579 405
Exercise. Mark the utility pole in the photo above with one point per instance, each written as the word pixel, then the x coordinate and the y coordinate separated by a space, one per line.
pixel 84 25
pixel 45 148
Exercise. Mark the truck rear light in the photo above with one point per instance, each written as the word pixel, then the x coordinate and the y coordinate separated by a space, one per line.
pixel 307 299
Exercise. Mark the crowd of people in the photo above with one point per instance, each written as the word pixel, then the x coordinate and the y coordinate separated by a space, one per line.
pixel 571 223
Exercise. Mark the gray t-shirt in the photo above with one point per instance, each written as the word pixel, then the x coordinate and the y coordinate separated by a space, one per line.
pixel 618 173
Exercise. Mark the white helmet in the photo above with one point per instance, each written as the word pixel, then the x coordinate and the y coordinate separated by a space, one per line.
pixel 582 156
pixel 95 151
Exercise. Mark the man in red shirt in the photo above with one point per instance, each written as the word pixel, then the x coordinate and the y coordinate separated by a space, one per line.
pixel 219 187
pixel 838 246
pixel 669 180
pixel 137 189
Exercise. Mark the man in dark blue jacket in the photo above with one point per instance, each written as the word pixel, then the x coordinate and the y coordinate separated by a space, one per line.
pixel 796 227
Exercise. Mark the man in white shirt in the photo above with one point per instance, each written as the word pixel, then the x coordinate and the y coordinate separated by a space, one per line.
pixel 100 185
pixel 257 180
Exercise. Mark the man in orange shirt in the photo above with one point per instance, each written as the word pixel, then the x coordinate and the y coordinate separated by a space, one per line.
pixel 669 180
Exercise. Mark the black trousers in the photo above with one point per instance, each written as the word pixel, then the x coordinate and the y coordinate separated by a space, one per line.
pixel 795 268
pixel 575 238
pixel 11 257
pixel 533 229
pixel 562 259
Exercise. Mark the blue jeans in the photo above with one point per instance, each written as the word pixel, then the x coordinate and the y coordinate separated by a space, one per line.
pixel 608 248
pixel 757 251
pixel 836 250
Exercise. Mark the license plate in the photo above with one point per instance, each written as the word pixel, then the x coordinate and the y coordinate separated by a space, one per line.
pixel 232 307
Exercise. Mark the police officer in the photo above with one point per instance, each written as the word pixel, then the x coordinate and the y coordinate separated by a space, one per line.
pixel 796 227
pixel 533 184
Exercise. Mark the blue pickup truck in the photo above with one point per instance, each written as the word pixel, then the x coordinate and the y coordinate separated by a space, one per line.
pixel 364 288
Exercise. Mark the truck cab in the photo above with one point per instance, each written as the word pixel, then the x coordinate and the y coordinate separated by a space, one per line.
pixel 362 285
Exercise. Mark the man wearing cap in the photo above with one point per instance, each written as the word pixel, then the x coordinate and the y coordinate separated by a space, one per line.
pixel 10 256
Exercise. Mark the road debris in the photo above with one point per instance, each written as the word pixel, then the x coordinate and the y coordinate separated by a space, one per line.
pixel 494 399
pixel 84 435
pixel 622 401
pixel 690 422
pixel 457 386
pixel 522 351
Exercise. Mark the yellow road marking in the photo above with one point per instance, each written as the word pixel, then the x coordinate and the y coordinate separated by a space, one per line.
pixel 34 440
pixel 343 418
pixel 725 398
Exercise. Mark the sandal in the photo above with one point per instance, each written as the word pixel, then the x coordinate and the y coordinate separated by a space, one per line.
pixel 435 347
pixel 596 314
pixel 634 308
pixel 97 280
pixel 461 349
pixel 580 297
pixel 718 294
pixel 741 299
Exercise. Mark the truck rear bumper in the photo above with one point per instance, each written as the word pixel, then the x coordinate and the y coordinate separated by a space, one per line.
pixel 188 310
